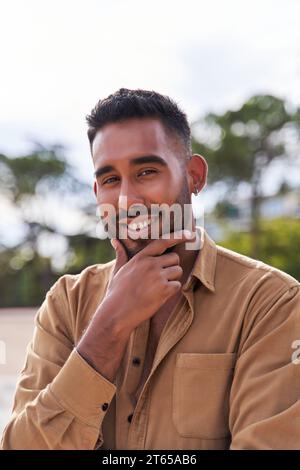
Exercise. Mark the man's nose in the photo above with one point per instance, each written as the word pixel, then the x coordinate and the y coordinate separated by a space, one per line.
pixel 129 197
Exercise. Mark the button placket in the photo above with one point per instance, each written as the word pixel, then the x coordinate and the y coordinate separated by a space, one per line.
pixel 125 394
pixel 137 356
pixel 138 428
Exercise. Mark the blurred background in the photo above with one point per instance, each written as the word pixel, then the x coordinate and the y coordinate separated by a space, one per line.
pixel 233 66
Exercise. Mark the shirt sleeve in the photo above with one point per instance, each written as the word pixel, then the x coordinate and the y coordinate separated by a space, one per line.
pixel 264 401
pixel 59 397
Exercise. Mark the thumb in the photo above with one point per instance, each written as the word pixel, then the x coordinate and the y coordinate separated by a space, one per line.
pixel 121 255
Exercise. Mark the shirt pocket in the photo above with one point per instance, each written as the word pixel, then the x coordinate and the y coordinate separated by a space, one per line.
pixel 201 391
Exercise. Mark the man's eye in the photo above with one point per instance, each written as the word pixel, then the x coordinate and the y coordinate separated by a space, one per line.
pixel 147 172
pixel 110 180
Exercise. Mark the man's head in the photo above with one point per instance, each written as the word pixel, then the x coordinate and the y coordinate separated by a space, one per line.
pixel 141 148
pixel 138 104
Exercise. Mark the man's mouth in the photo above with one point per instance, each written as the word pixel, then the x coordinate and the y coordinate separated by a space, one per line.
pixel 139 227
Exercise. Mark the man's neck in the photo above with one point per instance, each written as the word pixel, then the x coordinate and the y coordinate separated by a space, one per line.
pixel 187 257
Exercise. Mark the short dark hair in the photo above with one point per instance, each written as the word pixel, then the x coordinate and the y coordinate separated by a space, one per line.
pixel 127 104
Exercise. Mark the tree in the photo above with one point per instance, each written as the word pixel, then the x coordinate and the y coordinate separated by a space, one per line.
pixel 241 145
pixel 279 242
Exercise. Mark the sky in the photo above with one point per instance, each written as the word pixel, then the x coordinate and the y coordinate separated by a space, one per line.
pixel 59 57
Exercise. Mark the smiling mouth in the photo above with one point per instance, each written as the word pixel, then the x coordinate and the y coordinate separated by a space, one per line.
pixel 138 227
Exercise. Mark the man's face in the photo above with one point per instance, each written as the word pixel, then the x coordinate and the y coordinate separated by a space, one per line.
pixel 137 165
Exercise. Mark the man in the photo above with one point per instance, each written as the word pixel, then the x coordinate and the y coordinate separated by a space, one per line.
pixel 170 346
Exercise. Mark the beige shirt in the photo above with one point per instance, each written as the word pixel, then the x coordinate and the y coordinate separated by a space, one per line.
pixel 222 377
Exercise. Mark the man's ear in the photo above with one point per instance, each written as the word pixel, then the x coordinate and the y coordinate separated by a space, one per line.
pixel 95 188
pixel 197 169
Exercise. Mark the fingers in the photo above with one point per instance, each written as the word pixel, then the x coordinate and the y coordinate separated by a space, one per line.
pixel 121 255
pixel 173 287
pixel 168 259
pixel 157 247
pixel 173 273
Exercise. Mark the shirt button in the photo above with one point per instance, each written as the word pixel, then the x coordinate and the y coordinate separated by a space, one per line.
pixel 104 406
pixel 129 418
pixel 136 361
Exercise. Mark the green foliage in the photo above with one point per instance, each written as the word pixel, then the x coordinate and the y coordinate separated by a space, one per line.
pixel 279 244
pixel 24 282
pixel 20 176
pixel 239 144
pixel 87 251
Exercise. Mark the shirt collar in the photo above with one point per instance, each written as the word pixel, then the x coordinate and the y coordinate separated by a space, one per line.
pixel 205 264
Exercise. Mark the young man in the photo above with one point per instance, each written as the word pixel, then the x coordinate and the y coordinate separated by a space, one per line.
pixel 171 346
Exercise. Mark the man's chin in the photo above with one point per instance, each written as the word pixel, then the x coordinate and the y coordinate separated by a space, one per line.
pixel 133 247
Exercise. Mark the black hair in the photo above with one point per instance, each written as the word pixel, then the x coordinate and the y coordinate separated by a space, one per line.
pixel 126 104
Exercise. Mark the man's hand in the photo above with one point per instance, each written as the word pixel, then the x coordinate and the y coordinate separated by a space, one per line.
pixel 137 289
pixel 140 286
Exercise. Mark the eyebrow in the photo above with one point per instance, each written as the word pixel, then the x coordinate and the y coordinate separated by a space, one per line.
pixel 135 161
